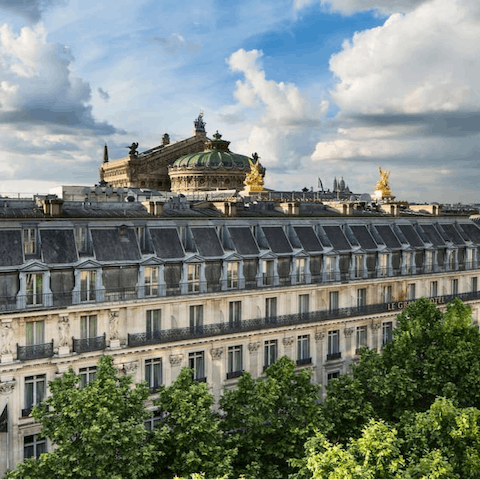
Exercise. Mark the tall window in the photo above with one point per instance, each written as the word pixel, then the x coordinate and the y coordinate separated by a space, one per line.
pixel 151 281
pixel 196 316
pixel 303 349
pixel 387 329
pixel 154 320
pixel 433 288
pixel 81 238
pixel 34 392
pixel 333 345
pixel 140 234
pixel 153 373
pixel 87 375
pixel 383 264
pixel 88 281
pixel 268 272
pixel 232 275
pixel 235 361
pixel 29 241
pixel 35 332
pixel 332 375
pixel 361 297
pixel 235 312
pixel 451 260
pixel 428 261
pixel 330 267
pixel 474 284
pixel 361 338
pixel 409 262
pixel 193 277
pixel 454 286
pixel 88 326
pixel 358 266
pixel 270 353
pixel 33 446
pixel 333 301
pixel 303 303
pixel 301 267
pixel 387 294
pixel 152 421
pixel 411 291
pixel 196 360
pixel 271 307
pixel 34 288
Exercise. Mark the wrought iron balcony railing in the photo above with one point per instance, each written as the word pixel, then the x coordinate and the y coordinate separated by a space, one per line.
pixel 304 361
pixel 334 356
pixel 236 374
pixel 30 352
pixel 81 345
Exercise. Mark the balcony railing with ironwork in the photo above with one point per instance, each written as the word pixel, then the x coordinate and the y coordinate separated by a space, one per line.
pixel 31 352
pixel 236 374
pixel 304 361
pixel 90 344
pixel 334 355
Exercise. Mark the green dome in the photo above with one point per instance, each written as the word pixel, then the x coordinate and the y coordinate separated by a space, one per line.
pixel 213 159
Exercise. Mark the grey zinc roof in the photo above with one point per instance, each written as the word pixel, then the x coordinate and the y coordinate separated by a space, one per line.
pixel 58 246
pixel 110 245
pixel 449 233
pixel 388 236
pixel 11 248
pixel 472 231
pixel 208 244
pixel 308 239
pixel 277 239
pixel 411 235
pixel 363 236
pixel 336 237
pixel 166 243
pixel 243 240
pixel 432 234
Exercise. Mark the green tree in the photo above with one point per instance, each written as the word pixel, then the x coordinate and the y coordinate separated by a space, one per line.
pixel 268 420
pixel 189 432
pixel 98 429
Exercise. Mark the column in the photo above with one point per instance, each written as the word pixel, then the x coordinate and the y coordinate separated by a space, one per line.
pixel 253 348
pixel 217 372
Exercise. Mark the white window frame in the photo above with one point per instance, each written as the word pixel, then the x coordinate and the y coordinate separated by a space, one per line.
pixel 154 373
pixel 271 307
pixel 153 321
pixel 29 241
pixel 362 338
pixel 270 353
pixel 234 361
pixel 268 272
pixel 193 277
pixel 233 269
pixel 301 268
pixel 454 286
pixel 196 361
pixel 387 329
pixel 88 285
pixel 88 326
pixel 303 303
pixel 81 238
pixel 87 375
pixel 39 445
pixel 34 289
pixel 333 342
pixel 411 291
pixel 196 316
pixel 333 300
pixel 235 311
pixel 387 293
pixel 38 386
pixel 434 288
pixel 361 297
pixel 35 332
pixel 151 281
pixel 303 348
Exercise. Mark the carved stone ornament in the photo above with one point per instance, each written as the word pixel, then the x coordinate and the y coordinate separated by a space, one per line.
pixel 7 387
pixel 216 353
pixel 375 326
pixel 348 331
pixel 176 360
pixel 253 347
pixel 131 368
pixel 319 336
pixel 63 331
pixel 7 337
pixel 113 324
pixel 288 341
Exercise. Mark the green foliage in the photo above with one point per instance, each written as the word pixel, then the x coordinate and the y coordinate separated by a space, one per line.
pixel 189 432
pixel 268 420
pixel 97 429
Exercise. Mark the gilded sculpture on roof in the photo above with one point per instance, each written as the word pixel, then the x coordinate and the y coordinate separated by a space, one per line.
pixel 254 179
pixel 382 185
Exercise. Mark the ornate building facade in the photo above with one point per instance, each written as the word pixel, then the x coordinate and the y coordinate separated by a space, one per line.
pixel 221 293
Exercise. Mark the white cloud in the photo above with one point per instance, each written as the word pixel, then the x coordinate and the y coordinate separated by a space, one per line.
pixel 173 44
pixel 349 7
pixel 30 9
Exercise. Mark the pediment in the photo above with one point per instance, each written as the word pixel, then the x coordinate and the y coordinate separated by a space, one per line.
pixel 152 260
pixel 194 259
pixel 87 264
pixel 34 266
pixel 268 256
pixel 233 257
pixel 301 254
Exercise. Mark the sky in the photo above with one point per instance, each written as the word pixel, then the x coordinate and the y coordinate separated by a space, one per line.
pixel 319 88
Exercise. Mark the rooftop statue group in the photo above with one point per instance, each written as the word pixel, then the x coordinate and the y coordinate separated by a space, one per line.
pixel 383 185
pixel 254 179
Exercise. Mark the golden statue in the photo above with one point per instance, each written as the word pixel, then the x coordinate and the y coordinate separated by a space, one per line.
pixel 254 179
pixel 382 185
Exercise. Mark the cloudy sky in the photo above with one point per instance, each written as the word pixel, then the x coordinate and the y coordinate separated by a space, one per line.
pixel 319 88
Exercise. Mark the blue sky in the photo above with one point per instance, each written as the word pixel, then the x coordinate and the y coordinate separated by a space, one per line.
pixel 319 88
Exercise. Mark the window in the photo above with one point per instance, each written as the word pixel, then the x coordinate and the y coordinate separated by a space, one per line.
pixel 35 332
pixel 271 351
pixel 196 316
pixel 88 280
pixel 474 284
pixel 34 288
pixel 88 326
pixel 428 261
pixel 268 272
pixel 358 266
pixel 303 304
pixel 271 307
pixel 387 294
pixel 235 361
pixel 235 312
pixel 301 266
pixel 87 375
pixel 411 293
pixel 153 373
pixel 33 446
pixel 330 268
pixel 451 260
pixel 81 239
pixel 151 281
pixel 383 264
pixel 387 329
pixel 454 286
pixel 303 350
pixel 333 345
pixel 196 361
pixel 232 275
pixel 193 278
pixel 333 301
pixel 140 234
pixel 29 241
pixel 34 392
pixel 154 321
pixel 332 375
pixel 361 338
pixel 433 288
pixel 153 420
pixel 361 297
pixel 409 262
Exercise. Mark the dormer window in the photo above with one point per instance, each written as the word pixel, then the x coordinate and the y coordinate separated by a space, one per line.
pixel 268 272
pixel 301 269
pixel 34 288
pixel 193 278
pixel 29 245
pixel 151 281
pixel 232 275
pixel 88 281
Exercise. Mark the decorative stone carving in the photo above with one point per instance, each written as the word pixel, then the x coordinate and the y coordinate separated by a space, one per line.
pixel 7 387
pixel 253 347
pixel 288 341
pixel 63 331
pixel 319 336
pixel 176 360
pixel 216 353
pixel 131 368
pixel 348 331
pixel 7 337
pixel 375 326
pixel 113 324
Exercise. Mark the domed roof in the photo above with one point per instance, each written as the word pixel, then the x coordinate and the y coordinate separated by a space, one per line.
pixel 213 159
